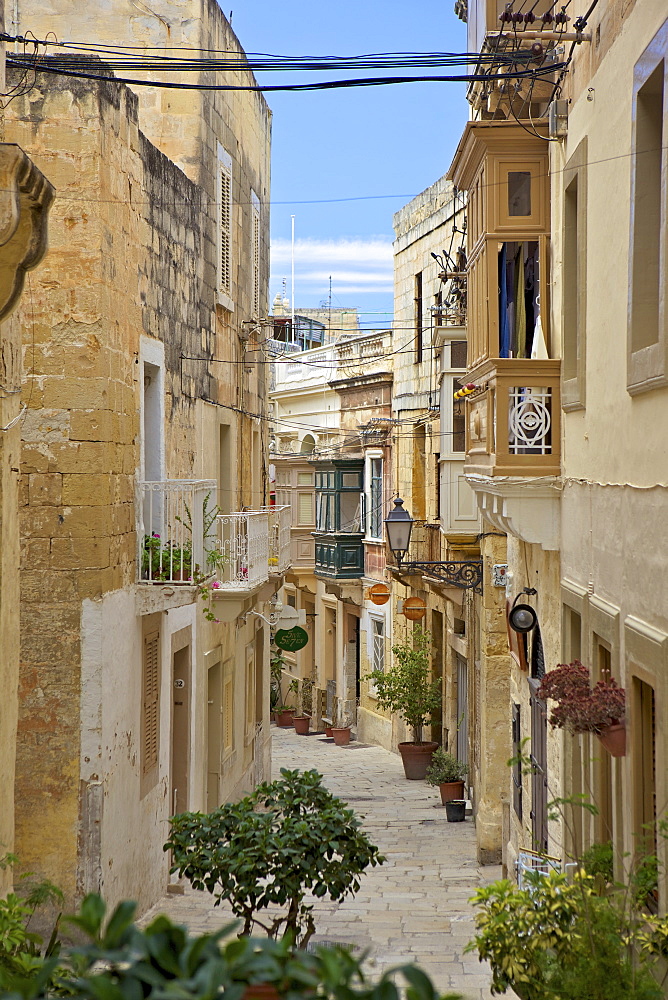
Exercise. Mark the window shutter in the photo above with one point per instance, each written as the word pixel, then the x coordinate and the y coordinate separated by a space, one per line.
pixel 151 719
pixel 305 508
pixel 225 226
pixel 256 262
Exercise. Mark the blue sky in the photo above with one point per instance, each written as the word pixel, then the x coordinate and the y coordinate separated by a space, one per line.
pixel 351 144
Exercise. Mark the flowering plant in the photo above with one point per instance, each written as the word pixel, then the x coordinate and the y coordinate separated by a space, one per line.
pixel 581 708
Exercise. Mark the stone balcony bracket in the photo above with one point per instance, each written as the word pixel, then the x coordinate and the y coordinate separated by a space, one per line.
pixel 527 508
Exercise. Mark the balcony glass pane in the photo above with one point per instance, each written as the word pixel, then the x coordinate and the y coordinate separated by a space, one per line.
pixel 519 193
pixel 350 480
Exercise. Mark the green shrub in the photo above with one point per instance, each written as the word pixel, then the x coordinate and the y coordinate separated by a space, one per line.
pixel 289 837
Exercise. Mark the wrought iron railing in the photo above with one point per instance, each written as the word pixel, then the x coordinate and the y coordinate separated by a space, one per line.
pixel 176 535
pixel 242 550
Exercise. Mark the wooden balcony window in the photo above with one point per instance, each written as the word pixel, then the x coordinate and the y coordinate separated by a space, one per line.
pixel 513 422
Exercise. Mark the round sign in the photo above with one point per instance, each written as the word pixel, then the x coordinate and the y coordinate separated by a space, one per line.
pixel 379 593
pixel 291 639
pixel 414 608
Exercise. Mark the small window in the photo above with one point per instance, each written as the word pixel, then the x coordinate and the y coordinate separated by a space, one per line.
pixel 519 193
pixel 255 253
pixel 375 525
pixel 305 508
pixel 224 195
pixel 378 639
pixel 350 480
pixel 304 479
pixel 458 425
pixel 458 354
pixel 150 707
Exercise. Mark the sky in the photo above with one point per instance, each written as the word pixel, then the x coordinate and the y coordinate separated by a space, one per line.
pixel 343 161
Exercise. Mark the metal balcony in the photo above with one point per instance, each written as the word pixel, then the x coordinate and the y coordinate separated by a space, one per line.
pixel 242 551
pixel 175 531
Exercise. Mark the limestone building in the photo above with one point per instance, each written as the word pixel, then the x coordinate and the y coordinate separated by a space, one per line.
pixel 566 328
pixel 147 543
pixel 26 198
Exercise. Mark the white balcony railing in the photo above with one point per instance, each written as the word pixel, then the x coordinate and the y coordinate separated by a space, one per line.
pixel 280 522
pixel 176 530
pixel 243 550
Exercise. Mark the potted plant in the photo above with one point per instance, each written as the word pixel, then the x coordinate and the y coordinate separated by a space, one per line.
pixel 302 721
pixel 285 713
pixel 448 774
pixel 288 838
pixel 583 709
pixel 341 729
pixel 407 688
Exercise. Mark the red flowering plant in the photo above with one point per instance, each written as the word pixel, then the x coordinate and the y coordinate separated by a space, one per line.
pixel 581 708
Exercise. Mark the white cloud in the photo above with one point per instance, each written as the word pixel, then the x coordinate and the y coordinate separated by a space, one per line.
pixel 356 277
pixel 372 252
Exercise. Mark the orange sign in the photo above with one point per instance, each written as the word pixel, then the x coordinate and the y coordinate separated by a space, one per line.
pixel 414 608
pixel 379 593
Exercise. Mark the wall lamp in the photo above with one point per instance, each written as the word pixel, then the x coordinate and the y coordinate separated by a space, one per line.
pixel 522 617
pixel 398 526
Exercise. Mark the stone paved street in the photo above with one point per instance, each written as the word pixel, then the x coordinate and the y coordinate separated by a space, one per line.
pixel 415 906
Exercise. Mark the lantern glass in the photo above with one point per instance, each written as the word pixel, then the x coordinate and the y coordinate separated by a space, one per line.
pixel 398 525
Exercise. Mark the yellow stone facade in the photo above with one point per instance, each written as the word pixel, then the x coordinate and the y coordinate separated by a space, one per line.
pixel 129 307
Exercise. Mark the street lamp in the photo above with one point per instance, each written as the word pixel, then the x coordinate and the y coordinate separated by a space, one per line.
pixel 464 575
pixel 398 524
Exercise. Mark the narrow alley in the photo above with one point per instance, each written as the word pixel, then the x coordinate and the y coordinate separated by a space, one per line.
pixel 415 906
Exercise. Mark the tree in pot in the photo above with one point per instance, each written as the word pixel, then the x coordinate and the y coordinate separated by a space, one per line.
pixel 290 837
pixel 407 688
pixel 447 773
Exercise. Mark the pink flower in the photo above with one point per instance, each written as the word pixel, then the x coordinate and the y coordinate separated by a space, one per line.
pixel 215 585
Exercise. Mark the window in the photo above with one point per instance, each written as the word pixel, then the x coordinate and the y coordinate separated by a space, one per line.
pixel 519 192
pixel 150 724
pixel 305 508
pixel 304 479
pixel 517 761
pixel 378 644
pixel 647 337
pixel 418 317
pixel 255 253
pixel 375 518
pixel 575 279
pixel 224 197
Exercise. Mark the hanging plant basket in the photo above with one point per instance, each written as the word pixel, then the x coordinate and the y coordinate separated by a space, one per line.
pixel 614 739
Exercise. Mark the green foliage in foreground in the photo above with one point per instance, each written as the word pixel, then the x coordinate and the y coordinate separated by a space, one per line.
pixel 287 838
pixel 562 940
pixel 163 962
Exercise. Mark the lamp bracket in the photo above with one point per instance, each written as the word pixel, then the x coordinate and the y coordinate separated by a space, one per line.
pixel 464 575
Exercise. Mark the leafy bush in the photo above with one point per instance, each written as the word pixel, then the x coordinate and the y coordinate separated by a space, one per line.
pixel 122 962
pixel 444 768
pixel 406 686
pixel 597 861
pixel 289 837
pixel 561 940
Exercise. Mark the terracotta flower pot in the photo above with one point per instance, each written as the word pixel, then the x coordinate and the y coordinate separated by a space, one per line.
pixel 614 739
pixel 451 790
pixel 301 724
pixel 341 736
pixel 456 810
pixel 416 759
pixel 261 991
pixel 329 731
pixel 284 719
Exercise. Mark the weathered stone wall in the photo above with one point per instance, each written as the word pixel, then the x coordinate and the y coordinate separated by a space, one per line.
pixel 133 241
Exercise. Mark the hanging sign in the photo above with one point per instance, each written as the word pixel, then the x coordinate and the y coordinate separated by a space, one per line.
pixel 291 639
pixel 414 608
pixel 379 593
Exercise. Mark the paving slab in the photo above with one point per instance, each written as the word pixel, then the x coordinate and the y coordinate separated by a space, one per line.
pixel 413 908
